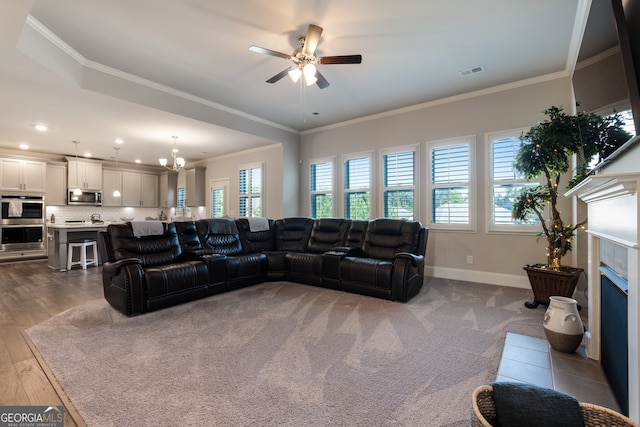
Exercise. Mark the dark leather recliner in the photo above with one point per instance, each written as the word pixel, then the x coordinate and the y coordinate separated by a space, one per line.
pixel 306 267
pixel 390 263
pixel 291 234
pixel 382 258
pixel 148 273
pixel 221 236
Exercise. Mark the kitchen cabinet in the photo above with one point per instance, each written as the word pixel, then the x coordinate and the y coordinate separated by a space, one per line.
pixel 195 193
pixel 139 189
pixel 84 175
pixel 111 181
pixel 168 189
pixel 23 175
pixel 56 184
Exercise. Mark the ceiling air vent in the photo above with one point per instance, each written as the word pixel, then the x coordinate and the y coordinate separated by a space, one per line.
pixel 474 70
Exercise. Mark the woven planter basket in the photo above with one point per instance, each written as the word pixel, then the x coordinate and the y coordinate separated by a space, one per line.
pixel 484 412
pixel 546 283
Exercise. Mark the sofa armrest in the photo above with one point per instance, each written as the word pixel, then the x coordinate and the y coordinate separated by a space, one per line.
pixel 412 258
pixel 407 276
pixel 123 283
pixel 112 268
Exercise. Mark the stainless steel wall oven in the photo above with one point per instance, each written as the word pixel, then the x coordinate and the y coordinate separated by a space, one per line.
pixel 21 222
pixel 17 210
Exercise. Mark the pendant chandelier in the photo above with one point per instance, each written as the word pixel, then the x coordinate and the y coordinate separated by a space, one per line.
pixel 116 192
pixel 77 191
pixel 178 162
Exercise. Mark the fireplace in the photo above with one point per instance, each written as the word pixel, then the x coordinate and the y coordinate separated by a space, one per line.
pixel 613 273
pixel 614 344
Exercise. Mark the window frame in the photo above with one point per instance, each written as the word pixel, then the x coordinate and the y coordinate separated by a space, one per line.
pixel 331 192
pixel 471 226
pixel 220 185
pixel 370 190
pixel 415 148
pixel 532 228
pixel 250 196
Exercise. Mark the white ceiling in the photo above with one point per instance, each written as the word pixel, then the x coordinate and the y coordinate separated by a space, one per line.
pixel 144 70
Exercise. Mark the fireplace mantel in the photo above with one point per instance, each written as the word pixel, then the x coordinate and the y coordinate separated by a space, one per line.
pixel 613 209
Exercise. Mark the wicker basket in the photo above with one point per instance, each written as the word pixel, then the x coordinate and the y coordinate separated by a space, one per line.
pixel 484 412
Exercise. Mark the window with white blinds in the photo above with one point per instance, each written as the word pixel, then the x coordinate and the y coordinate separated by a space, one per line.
pixel 250 190
pixel 322 189
pixel 181 195
pixel 357 188
pixel 398 184
pixel 450 201
pixel 217 203
pixel 506 183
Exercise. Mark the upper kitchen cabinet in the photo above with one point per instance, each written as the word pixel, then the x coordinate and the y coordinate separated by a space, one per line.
pixel 56 184
pixel 168 189
pixel 139 189
pixel 111 181
pixel 195 194
pixel 23 175
pixel 84 175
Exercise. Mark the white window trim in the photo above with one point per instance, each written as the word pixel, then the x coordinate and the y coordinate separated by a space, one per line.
pixel 262 184
pixel 472 226
pixel 416 176
pixel 490 226
pixel 332 160
pixel 372 193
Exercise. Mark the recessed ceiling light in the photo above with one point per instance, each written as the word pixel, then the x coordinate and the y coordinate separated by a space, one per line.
pixel 119 141
pixel 24 146
pixel 41 128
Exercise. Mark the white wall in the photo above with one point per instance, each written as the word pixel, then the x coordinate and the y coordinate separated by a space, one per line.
pixel 227 167
pixel 498 258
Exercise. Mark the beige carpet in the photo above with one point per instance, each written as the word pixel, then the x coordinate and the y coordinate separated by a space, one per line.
pixel 288 355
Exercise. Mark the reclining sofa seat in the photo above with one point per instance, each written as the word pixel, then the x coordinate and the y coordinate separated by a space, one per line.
pixel 221 236
pixel 149 272
pixel 307 267
pixel 390 263
pixel 290 235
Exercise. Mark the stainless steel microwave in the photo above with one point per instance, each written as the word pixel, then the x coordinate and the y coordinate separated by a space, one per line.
pixel 93 198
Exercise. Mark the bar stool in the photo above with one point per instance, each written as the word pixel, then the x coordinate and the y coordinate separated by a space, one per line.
pixel 83 245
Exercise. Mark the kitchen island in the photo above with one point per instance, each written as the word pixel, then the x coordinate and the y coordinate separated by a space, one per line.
pixel 59 235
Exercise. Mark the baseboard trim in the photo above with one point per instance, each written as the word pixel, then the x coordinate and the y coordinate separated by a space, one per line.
pixel 511 280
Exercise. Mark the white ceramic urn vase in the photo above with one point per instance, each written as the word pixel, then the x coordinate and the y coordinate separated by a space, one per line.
pixel 562 324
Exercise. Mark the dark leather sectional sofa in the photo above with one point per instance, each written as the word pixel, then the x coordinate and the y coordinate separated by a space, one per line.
pixel 383 258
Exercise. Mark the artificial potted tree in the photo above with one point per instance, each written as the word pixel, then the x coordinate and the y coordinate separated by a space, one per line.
pixel 546 151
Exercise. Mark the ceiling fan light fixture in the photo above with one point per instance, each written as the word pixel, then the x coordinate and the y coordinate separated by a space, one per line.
pixel 310 80
pixel 295 74
pixel 309 72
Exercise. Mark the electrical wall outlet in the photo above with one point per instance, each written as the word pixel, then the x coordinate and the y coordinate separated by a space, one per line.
pixel 469 259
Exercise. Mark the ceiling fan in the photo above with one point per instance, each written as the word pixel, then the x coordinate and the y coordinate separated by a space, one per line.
pixel 304 59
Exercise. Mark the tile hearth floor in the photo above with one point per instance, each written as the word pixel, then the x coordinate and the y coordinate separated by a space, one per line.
pixel 531 360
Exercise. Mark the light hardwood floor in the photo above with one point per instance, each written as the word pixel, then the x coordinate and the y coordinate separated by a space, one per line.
pixel 31 292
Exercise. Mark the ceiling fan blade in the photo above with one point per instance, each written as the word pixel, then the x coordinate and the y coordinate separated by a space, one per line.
pixel 311 39
pixel 280 75
pixel 259 49
pixel 343 59
pixel 321 82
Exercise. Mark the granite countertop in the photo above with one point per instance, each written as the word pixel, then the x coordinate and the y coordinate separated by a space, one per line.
pixel 87 224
